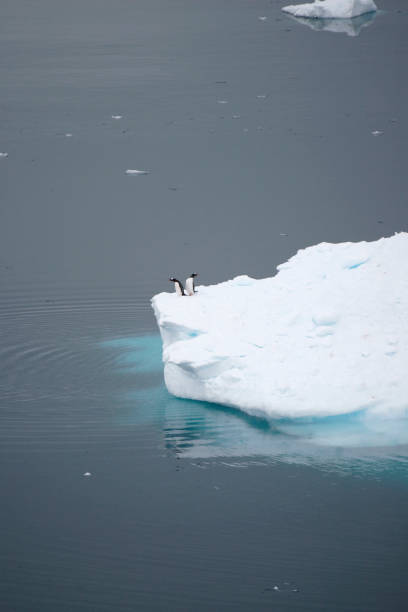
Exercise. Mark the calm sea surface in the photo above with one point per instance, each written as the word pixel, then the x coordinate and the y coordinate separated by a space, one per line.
pixel 257 135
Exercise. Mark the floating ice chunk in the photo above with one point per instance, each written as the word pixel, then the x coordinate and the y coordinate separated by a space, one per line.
pixel 236 116
pixel 317 339
pixel 262 18
pixel 68 135
pixel 351 27
pixel 3 154
pixel 377 132
pixel 117 116
pixel 331 9
pixel 137 172
pixel 222 101
pixel 87 474
pixel 261 96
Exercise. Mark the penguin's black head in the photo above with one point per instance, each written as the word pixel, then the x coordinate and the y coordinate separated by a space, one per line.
pixel 172 279
pixel 194 274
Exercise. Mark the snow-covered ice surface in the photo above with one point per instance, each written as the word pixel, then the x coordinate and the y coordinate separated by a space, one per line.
pixel 331 9
pixel 328 335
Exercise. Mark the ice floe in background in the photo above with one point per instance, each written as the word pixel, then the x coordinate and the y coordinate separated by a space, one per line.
pixel 137 172
pixel 351 27
pixel 326 336
pixel 331 9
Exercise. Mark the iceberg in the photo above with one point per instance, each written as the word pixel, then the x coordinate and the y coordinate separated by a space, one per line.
pixel 331 9
pixel 351 27
pixel 327 335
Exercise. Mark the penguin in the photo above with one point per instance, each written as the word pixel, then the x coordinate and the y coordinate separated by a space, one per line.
pixel 190 288
pixel 177 285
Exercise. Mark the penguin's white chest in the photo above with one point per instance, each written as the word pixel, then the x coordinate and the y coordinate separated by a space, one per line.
pixel 178 289
pixel 190 286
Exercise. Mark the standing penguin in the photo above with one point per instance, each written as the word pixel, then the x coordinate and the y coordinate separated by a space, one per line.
pixel 190 288
pixel 177 285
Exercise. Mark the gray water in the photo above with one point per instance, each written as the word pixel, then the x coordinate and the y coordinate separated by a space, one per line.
pixel 249 129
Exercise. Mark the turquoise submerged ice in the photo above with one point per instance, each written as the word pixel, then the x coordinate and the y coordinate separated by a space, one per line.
pixel 328 335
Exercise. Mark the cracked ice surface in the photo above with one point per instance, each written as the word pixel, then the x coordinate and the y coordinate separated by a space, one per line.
pixel 331 9
pixel 327 335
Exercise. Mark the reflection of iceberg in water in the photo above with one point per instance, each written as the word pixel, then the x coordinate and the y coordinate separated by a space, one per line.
pixel 351 27
pixel 209 432
pixel 196 430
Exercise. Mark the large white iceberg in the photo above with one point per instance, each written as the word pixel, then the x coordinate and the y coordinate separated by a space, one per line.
pixel 327 335
pixel 331 9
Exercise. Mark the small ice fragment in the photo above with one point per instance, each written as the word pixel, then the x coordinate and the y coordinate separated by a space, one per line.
pixel 283 234
pixel 68 135
pixel 117 116
pixel 261 96
pixel 377 133
pixel 276 588
pixel 262 18
pixel 222 101
pixel 87 474
pixel 245 130
pixel 137 172
pixel 236 116
pixel 3 154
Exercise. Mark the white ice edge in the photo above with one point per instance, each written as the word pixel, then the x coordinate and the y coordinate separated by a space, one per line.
pixel 327 335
